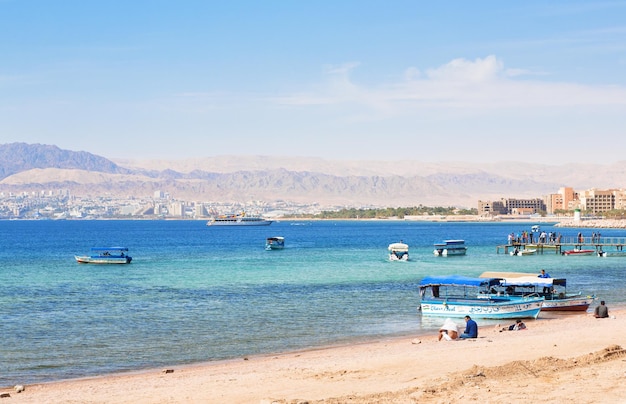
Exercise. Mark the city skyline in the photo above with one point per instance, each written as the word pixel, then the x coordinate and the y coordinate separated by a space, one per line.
pixel 455 81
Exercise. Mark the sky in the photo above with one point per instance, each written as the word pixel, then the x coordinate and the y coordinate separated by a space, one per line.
pixel 430 81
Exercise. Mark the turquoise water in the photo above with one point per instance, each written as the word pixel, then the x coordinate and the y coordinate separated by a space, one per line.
pixel 195 293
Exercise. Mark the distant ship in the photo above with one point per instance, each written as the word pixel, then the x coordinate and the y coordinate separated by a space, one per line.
pixel 238 220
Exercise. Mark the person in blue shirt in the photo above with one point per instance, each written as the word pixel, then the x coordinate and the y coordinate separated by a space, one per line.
pixel 544 274
pixel 471 328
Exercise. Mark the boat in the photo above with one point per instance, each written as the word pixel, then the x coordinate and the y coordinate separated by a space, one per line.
pixel 615 253
pixel 578 251
pixel 450 248
pixel 275 243
pixel 553 290
pixel 240 219
pixel 460 296
pixel 542 246
pixel 524 251
pixel 398 252
pixel 105 255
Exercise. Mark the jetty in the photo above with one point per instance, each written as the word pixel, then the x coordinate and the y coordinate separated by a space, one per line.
pixel 598 243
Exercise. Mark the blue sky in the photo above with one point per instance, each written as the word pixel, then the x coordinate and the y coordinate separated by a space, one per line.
pixel 484 81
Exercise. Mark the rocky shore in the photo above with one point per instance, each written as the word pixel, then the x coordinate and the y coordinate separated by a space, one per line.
pixel 595 223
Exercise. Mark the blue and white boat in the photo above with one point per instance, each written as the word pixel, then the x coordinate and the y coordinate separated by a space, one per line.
pixel 105 255
pixel 459 296
pixel 450 248
pixel 275 243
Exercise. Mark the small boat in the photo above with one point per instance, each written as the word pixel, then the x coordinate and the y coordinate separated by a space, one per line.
pixel 238 220
pixel 524 251
pixel 105 255
pixel 398 252
pixel 543 246
pixel 578 251
pixel 450 248
pixel 552 289
pixel 535 229
pixel 617 253
pixel 458 296
pixel 275 243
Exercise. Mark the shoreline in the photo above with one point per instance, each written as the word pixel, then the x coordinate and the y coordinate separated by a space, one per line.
pixel 395 369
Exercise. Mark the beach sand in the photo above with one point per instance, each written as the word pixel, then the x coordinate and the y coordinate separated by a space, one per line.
pixel 573 357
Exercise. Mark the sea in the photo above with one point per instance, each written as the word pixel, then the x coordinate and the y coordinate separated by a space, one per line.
pixel 195 294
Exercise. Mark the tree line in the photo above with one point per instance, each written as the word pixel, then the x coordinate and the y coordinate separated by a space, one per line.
pixel 386 213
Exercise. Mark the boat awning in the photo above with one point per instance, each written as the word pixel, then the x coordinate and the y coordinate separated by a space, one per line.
pixel 109 249
pixel 458 280
pixel 523 279
pixel 398 247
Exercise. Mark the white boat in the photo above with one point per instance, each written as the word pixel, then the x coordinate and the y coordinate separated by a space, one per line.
pixel 460 296
pixel 398 252
pixel 450 248
pixel 238 220
pixel 552 289
pixel 105 255
pixel 521 252
pixel 275 243
pixel 616 253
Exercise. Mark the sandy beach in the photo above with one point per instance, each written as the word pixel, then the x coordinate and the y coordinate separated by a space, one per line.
pixel 572 356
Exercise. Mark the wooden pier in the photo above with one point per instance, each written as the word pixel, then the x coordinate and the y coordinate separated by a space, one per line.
pixel 597 243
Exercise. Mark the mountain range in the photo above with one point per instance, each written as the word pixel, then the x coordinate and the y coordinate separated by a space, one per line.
pixel 302 180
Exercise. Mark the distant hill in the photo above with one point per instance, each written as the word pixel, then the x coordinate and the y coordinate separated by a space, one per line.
pixel 33 167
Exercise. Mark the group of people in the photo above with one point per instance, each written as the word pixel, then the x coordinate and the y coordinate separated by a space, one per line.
pixel 449 331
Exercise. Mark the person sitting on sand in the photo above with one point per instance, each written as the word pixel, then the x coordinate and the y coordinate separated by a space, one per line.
pixel 518 326
pixel 448 331
pixel 601 311
pixel 471 328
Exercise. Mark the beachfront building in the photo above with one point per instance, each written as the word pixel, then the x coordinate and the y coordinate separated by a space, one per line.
pixel 512 206
pixel 566 199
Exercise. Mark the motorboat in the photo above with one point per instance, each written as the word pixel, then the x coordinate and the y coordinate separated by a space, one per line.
pixel 398 252
pixel 524 251
pixel 614 253
pixel 105 255
pixel 552 289
pixel 450 248
pixel 578 251
pixel 459 296
pixel 240 219
pixel 275 243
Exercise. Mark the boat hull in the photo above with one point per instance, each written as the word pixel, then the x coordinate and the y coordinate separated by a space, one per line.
pixel 567 304
pixel 450 252
pixel 450 248
pixel 103 260
pixel 579 252
pixel 261 222
pixel 482 308
pixel 521 253
pixel 612 254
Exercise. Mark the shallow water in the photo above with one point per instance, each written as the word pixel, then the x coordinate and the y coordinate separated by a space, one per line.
pixel 195 293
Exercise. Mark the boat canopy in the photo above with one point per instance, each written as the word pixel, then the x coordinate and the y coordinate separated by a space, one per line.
pixel 109 249
pixel 524 279
pixel 398 247
pixel 458 280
